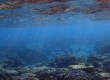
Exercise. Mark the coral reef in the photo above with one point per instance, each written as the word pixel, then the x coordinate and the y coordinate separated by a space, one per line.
pixel 42 64
pixel 96 64
pixel 66 74
pixel 5 76
pixel 55 74
pixel 43 1
pixel 27 55
pixel 64 66
pixel 11 62
pixel 64 60
pixel 100 61
pixel 103 48
pixel 92 58
pixel 76 72
pixel 106 65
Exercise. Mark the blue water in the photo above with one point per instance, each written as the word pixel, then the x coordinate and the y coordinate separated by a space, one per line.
pixel 81 32
pixel 34 40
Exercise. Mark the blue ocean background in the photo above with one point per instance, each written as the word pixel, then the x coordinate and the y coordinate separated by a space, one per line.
pixel 52 38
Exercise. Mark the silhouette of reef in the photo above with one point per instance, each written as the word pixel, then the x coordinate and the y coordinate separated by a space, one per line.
pixel 102 62
pixel 27 55
pixel 5 76
pixel 64 60
pixel 11 62
pixel 102 48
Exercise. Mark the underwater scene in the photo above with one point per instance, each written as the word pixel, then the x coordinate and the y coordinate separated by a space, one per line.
pixel 54 39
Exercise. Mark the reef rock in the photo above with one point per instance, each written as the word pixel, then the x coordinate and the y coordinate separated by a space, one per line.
pixel 5 76
pixel 88 69
pixel 105 75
